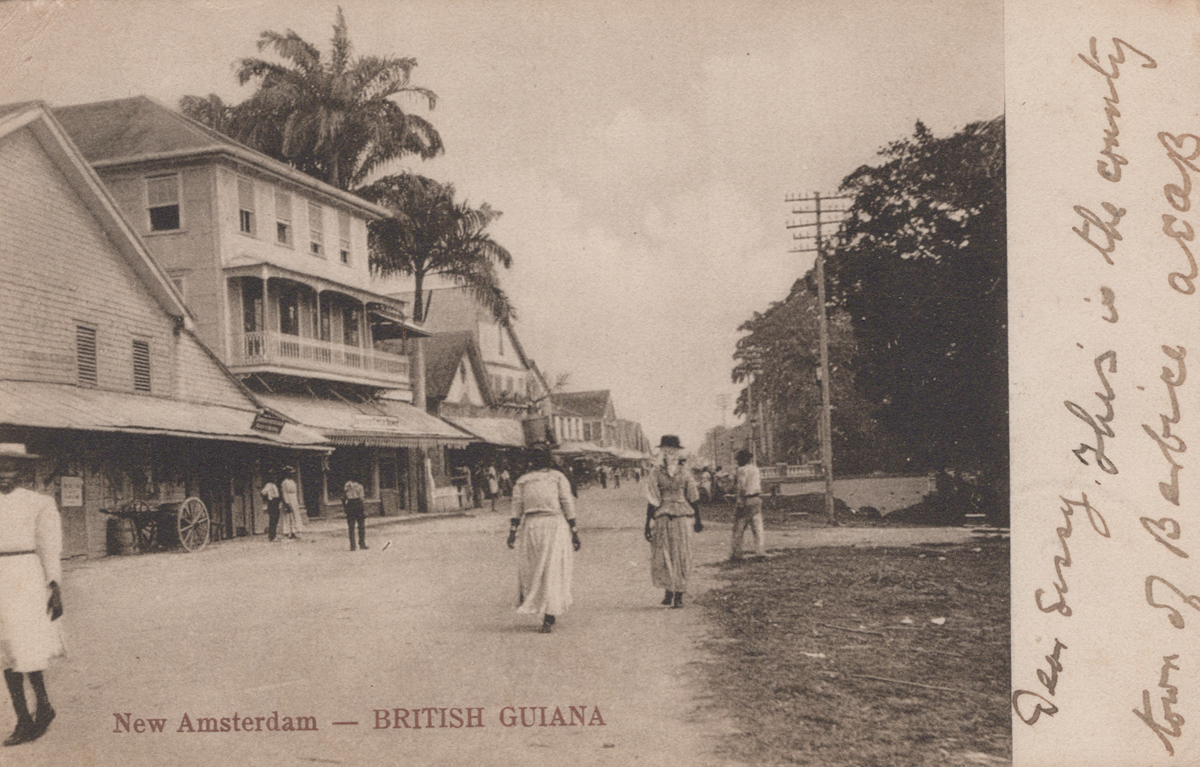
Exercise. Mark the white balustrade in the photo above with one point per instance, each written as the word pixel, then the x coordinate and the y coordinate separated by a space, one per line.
pixel 310 354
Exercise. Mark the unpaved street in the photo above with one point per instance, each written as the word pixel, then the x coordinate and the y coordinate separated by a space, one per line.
pixel 311 629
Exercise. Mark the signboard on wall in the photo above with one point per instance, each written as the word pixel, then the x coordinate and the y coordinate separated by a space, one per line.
pixel 70 491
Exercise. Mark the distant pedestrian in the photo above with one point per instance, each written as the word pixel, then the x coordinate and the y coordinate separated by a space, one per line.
pixel 292 522
pixel 671 497
pixel 617 478
pixel 603 477
pixel 30 598
pixel 544 525
pixel 493 484
pixel 272 500
pixel 747 489
pixel 352 503
pixel 506 485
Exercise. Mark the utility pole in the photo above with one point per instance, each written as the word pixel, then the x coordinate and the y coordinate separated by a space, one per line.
pixel 814 217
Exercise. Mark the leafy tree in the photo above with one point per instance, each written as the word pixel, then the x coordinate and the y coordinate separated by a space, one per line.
pixel 334 118
pixel 781 353
pixel 920 270
pixel 430 234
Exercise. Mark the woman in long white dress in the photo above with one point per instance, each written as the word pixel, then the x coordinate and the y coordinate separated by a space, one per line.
pixel 30 599
pixel 543 531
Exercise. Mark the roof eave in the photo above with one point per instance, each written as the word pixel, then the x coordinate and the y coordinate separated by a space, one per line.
pixel 369 210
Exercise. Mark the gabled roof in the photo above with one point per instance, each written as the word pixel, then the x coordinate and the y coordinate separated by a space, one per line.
pixel 139 129
pixel 443 354
pixel 584 404
pixel 454 308
pixel 37 117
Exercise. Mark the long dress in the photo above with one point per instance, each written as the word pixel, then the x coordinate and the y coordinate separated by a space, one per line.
pixel 293 520
pixel 30 558
pixel 670 538
pixel 543 502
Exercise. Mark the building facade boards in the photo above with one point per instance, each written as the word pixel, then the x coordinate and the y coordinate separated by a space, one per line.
pixel 102 369
pixel 513 379
pixel 273 264
pixel 586 422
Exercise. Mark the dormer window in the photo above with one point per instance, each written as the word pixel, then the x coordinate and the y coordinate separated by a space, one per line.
pixel 162 196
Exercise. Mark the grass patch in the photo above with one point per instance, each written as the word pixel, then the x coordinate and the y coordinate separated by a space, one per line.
pixel 797 687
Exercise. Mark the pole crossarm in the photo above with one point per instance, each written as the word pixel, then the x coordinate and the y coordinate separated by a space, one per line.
pixel 822 217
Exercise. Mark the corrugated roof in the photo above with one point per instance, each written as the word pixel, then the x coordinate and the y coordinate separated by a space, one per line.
pixel 65 406
pixel 380 422
pixel 507 432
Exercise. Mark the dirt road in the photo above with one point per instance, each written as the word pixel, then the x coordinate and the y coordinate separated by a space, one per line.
pixel 310 629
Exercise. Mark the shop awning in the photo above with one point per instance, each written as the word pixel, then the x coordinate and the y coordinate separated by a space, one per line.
pixel 377 423
pixel 506 432
pixel 65 406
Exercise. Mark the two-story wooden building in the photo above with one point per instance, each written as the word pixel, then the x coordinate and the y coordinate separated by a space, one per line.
pixel 273 264
pixel 101 371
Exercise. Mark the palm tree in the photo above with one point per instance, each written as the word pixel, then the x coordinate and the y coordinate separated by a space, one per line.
pixel 335 119
pixel 431 234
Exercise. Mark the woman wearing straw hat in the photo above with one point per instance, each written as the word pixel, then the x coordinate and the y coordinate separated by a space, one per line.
pixel 671 496
pixel 30 599
pixel 544 519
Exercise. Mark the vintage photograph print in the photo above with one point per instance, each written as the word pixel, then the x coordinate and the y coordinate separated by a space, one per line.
pixel 504 383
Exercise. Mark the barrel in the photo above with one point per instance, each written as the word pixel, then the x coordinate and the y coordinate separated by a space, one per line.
pixel 120 536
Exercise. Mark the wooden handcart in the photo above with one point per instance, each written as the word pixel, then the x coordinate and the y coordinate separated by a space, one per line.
pixel 160 526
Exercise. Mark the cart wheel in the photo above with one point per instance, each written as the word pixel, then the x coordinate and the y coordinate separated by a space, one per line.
pixel 193 523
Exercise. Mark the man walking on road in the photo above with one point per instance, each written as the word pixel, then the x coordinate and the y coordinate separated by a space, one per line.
pixel 352 503
pixel 747 488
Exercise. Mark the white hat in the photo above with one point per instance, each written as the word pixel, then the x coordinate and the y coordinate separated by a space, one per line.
pixel 15 450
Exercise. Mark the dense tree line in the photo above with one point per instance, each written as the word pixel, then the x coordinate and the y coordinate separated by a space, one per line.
pixel 918 306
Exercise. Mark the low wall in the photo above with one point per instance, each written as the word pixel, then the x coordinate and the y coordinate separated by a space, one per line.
pixel 887 493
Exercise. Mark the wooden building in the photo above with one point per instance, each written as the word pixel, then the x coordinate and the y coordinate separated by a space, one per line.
pixel 273 264
pixel 101 369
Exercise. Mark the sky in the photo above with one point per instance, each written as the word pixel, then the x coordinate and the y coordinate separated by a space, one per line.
pixel 641 152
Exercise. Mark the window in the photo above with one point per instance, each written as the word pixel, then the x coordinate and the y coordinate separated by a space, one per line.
pixel 344 237
pixel 462 372
pixel 246 223
pixel 283 218
pixel 141 365
pixel 252 305
pixel 289 311
pixel 85 354
pixel 325 331
pixel 316 230
pixel 349 326
pixel 162 195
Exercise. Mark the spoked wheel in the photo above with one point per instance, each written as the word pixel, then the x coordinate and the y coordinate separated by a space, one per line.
pixel 193 522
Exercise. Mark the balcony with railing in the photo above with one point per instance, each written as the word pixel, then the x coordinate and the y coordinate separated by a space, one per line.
pixel 266 351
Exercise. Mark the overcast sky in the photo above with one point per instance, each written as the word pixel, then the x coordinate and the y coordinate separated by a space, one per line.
pixel 640 151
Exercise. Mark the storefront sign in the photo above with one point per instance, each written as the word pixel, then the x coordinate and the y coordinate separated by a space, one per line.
pixel 376 422
pixel 70 491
